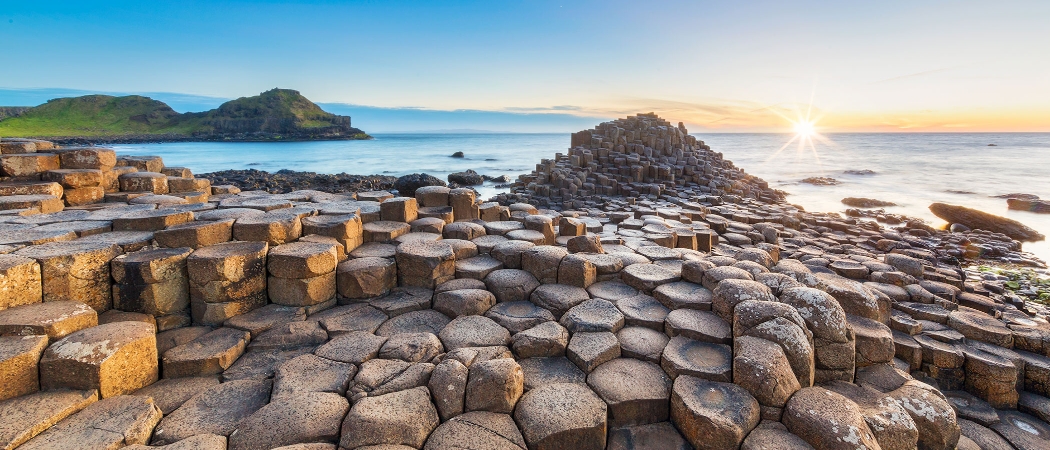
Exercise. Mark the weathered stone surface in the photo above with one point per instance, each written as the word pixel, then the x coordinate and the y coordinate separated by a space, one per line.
pixel 712 415
pixel 111 423
pixel 661 435
pixel 931 412
pixel 874 341
pixel 511 285
pixel 543 340
pixel 588 350
pixel 19 356
pixel 761 367
pixel 54 319
pixel 683 294
pixel 646 277
pixel 400 418
pixel 981 327
pixel 366 277
pixel 301 260
pixel 195 234
pixel 115 358
pixel 423 321
pixel 518 316
pixel 275 228
pixel 543 261
pixel 1023 431
pixel 684 356
pixel 636 392
pixel 425 264
pixel 24 417
pixel 698 325
pixel 197 442
pixel 301 291
pixel 464 302
pixel 353 347
pixel 558 298
pixel 411 347
pixel 448 385
pixel 20 281
pixel 562 416
pixel 75 271
pixel 209 354
pixel 730 292
pixel 592 316
pixel 303 418
pixel 473 331
pixel 477 430
pixel 494 386
pixel 216 410
pixel 770 434
pixel 543 371
pixel 825 419
pixel 169 394
pixel 642 343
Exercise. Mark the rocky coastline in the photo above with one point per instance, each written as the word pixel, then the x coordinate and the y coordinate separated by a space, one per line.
pixel 638 290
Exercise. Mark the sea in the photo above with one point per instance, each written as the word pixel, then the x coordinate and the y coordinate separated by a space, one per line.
pixel 912 170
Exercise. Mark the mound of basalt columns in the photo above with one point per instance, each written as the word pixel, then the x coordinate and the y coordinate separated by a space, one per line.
pixel 671 302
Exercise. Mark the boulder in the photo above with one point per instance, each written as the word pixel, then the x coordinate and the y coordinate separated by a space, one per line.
pixel 827 420
pixel 636 392
pixel 303 418
pixel 494 386
pixel 981 220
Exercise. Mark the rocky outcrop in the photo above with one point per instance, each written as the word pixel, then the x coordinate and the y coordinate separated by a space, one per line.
pixel 975 219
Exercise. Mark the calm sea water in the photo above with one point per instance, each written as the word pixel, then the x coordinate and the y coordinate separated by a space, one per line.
pixel 911 169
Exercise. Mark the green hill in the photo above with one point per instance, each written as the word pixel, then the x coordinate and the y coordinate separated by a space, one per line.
pixel 277 114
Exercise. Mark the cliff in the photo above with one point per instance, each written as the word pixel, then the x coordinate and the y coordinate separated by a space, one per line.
pixel 277 114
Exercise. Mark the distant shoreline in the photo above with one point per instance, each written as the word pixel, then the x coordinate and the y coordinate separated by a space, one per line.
pixel 160 139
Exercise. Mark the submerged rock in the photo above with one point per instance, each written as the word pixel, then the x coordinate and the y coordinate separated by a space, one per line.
pixel 821 181
pixel 861 202
pixel 466 178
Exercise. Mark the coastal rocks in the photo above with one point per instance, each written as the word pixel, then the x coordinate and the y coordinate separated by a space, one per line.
pixel 981 220
pixel 466 178
pixel 821 181
pixel 408 184
pixel 562 416
pixel 713 415
pixel 1030 205
pixel 861 202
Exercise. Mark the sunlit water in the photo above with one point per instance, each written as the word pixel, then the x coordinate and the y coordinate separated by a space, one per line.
pixel 912 169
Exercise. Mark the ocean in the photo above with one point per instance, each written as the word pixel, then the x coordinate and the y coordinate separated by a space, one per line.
pixel 910 169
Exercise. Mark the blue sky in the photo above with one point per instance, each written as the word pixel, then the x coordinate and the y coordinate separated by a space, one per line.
pixel 718 66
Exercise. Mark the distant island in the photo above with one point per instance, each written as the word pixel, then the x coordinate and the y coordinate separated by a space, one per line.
pixel 274 115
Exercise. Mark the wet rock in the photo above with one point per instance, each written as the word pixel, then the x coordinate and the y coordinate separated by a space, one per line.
pixel 465 178
pixel 981 220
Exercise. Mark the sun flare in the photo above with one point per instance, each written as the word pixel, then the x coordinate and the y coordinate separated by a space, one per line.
pixel 805 128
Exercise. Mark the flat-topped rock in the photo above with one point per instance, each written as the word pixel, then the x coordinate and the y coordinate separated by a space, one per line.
pixel 151 220
pixel 195 234
pixel 683 294
pixel 593 315
pixel 216 410
pixel 304 418
pixel 209 354
pixel 55 319
pixel 636 392
pixel 366 277
pixel 562 416
pixel 477 430
pixel 115 358
pixel 712 415
pixel 702 326
pixel 684 356
pixel 24 417
pixel 400 418
pixel 473 331
pixel 588 350
pixel 169 394
pixel 353 347
pixel 425 264
pixel 274 228
pixel 311 373
pixel 110 423
pixel 647 277
pixel 362 318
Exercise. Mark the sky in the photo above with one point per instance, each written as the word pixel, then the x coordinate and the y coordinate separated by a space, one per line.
pixel 718 66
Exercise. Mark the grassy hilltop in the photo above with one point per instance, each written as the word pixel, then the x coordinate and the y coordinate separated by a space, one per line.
pixel 277 114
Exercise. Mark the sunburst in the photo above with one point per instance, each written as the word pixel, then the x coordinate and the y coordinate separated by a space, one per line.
pixel 807 132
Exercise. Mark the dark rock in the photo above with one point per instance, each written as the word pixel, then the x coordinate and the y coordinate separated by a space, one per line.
pixel 821 181
pixel 467 178
pixel 861 202
pixel 1036 206
pixel 984 221
pixel 407 185
pixel 859 172
pixel 457 155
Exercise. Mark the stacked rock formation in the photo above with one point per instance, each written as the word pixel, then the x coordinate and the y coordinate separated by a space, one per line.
pixel 641 155
pixel 435 321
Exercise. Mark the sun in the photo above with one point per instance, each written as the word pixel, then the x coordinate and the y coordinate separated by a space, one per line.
pixel 805 128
